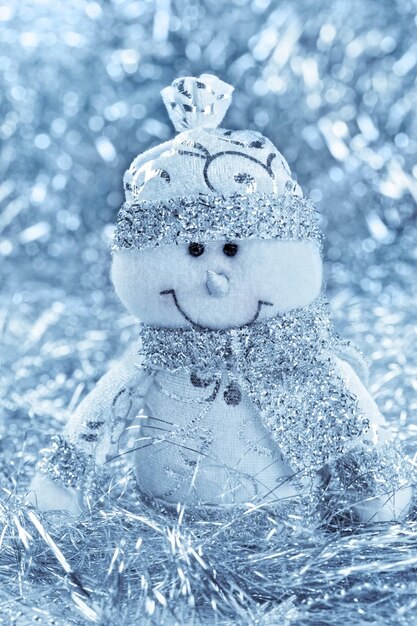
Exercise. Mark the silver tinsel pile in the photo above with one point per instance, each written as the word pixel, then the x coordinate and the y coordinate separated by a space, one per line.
pixel 333 84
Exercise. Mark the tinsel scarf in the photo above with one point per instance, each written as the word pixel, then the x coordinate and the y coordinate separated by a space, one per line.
pixel 287 367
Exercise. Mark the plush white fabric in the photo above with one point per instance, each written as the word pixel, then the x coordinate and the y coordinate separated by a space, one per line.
pixel 205 453
pixel 210 98
pixel 286 273
pixel 204 158
pixel 117 397
pixel 49 495
pixel 183 167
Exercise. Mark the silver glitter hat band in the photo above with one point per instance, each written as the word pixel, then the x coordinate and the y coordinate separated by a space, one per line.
pixel 209 218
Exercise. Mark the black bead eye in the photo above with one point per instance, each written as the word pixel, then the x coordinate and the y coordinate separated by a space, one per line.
pixel 196 249
pixel 230 249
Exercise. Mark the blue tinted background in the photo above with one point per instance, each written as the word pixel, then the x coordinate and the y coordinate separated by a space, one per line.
pixel 331 82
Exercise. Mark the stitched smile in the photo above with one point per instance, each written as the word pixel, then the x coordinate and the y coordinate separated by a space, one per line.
pixel 171 292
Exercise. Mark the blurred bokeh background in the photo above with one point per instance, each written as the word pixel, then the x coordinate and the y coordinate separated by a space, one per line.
pixel 333 83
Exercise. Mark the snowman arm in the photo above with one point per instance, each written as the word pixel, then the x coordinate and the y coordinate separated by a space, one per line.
pixel 377 432
pixel 97 423
pixel 384 476
pixel 101 416
pixel 377 451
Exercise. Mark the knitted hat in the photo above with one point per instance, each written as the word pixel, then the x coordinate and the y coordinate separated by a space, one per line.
pixel 210 183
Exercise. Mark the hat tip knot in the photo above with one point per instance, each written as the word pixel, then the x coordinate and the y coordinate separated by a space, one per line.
pixel 197 102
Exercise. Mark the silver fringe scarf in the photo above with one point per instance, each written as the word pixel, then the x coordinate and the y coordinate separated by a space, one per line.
pixel 286 367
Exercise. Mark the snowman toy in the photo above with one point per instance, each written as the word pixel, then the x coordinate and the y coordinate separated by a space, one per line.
pixel 238 390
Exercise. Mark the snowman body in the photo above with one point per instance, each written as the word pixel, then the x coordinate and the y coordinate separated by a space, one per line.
pixel 202 441
pixel 192 439
pixel 216 237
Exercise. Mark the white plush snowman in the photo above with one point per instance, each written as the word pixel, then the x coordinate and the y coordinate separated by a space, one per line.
pixel 237 391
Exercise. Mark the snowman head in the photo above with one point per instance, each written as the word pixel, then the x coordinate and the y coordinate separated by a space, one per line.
pixel 214 232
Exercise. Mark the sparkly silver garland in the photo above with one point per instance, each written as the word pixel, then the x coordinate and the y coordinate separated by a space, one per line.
pixel 241 348
pixel 65 464
pixel 210 218
pixel 369 470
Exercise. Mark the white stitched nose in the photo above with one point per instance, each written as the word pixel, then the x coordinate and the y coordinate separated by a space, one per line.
pixel 217 284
